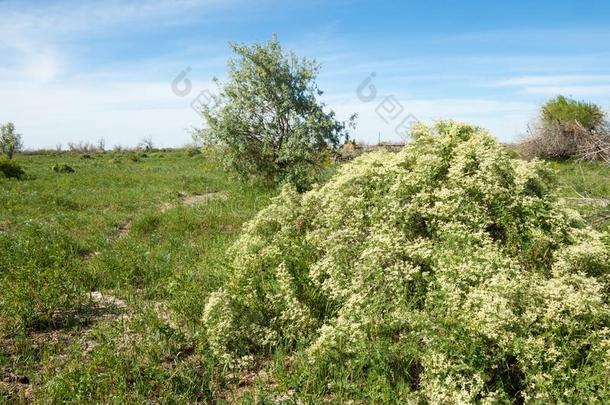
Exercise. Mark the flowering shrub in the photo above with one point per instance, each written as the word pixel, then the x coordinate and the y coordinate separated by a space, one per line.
pixel 447 269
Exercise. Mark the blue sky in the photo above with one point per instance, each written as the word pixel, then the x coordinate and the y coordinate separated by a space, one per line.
pixel 82 70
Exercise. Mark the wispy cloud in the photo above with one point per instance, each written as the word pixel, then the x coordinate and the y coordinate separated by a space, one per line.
pixel 580 85
pixel 78 70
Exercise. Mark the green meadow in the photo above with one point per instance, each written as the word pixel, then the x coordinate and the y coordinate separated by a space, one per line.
pixel 105 272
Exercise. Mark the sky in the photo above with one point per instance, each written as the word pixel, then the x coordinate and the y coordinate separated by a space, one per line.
pixel 79 71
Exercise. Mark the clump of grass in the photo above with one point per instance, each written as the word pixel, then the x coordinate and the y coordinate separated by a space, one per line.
pixel 147 224
pixel 62 168
pixel 144 360
pixel 11 169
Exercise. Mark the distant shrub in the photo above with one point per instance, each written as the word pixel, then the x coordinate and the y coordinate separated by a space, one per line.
pixel 562 110
pixel 134 158
pixel 86 156
pixel 85 147
pixel 62 168
pixel 10 169
pixel 114 160
pixel 147 144
pixel 10 141
pixel 567 129
pixel 445 273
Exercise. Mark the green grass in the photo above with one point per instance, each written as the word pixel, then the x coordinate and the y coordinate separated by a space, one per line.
pixel 118 226
pixel 585 186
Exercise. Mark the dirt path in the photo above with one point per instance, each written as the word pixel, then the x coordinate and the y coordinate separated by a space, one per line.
pixel 194 200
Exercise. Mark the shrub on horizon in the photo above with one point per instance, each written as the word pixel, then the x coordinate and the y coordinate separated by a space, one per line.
pixel 567 129
pixel 10 168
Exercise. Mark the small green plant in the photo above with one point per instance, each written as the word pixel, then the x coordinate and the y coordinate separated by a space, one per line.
pixel 62 168
pixel 10 141
pixel 10 168
pixel 86 156
pixel 134 158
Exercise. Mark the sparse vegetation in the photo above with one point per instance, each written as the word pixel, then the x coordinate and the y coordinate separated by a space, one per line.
pixel 269 119
pixel 10 169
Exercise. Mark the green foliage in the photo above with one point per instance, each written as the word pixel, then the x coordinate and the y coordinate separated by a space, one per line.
pixel 10 169
pixel 10 141
pixel 59 242
pixel 565 111
pixel 62 168
pixel 569 129
pixel 268 117
pixel 40 283
pixel 445 273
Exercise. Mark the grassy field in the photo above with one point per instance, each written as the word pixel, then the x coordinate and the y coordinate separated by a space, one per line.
pixel 104 273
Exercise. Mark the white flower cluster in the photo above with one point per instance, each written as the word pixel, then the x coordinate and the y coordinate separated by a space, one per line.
pixel 449 256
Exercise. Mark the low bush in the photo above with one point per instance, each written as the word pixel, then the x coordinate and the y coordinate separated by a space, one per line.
pixel 568 129
pixel 10 169
pixel 445 273
pixel 62 168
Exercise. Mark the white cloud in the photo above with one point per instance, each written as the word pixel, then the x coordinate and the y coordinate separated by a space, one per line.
pixel 549 85
pixel 121 112
pixel 544 80
pixel 569 90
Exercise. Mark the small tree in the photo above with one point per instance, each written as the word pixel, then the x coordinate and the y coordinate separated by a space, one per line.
pixel 268 117
pixel 10 141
